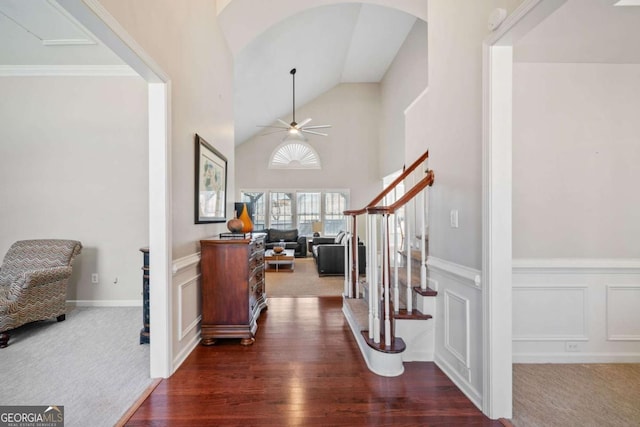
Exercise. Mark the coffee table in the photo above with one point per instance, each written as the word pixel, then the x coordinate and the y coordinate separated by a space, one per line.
pixel 284 261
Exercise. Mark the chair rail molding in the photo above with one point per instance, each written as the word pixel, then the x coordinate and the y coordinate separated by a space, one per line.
pixel 576 265
pixel 185 262
pixel 465 275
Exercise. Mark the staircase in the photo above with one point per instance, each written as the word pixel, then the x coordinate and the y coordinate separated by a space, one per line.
pixel 390 309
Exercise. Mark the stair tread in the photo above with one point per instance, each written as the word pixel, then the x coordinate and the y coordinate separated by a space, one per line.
pixel 428 292
pixel 416 254
pixel 397 344
pixel 411 315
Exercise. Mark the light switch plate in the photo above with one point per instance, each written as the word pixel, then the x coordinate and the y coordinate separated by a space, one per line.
pixel 454 218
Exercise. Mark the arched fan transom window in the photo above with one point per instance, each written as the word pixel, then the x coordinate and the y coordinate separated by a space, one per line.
pixel 294 155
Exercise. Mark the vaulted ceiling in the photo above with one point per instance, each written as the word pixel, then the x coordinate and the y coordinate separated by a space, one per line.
pixel 329 45
pixel 346 43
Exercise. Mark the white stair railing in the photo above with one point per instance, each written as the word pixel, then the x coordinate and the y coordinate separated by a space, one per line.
pixel 382 294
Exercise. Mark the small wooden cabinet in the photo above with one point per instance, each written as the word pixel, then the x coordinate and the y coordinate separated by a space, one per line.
pixel 233 288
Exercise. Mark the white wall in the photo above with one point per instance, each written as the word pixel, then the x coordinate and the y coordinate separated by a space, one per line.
pixel 73 163
pixel 184 39
pixel 349 154
pixel 449 121
pixel 576 151
pixel 405 79
pixel 575 211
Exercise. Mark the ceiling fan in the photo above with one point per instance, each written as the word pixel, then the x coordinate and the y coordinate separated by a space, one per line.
pixel 296 129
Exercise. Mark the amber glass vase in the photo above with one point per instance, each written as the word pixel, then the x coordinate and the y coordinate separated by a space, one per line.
pixel 247 224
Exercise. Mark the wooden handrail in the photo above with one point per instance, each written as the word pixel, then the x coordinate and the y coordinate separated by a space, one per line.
pixel 405 173
pixel 421 185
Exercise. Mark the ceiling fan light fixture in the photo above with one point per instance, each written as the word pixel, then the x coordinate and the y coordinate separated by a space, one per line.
pixel 295 129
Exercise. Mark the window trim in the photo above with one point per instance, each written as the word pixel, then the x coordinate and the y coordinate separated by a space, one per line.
pixel 294 209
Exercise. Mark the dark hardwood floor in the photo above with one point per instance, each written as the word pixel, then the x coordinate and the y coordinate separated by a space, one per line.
pixel 303 369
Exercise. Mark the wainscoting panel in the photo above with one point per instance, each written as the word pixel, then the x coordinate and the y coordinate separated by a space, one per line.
pixel 623 312
pixel 458 323
pixel 576 311
pixel 189 315
pixel 547 313
pixel 456 326
pixel 186 306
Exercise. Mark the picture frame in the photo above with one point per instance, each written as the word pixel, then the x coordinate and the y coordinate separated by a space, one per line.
pixel 210 183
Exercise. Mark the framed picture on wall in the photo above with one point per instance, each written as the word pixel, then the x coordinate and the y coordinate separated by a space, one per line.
pixel 210 184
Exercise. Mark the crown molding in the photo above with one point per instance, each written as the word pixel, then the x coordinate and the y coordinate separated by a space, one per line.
pixel 66 70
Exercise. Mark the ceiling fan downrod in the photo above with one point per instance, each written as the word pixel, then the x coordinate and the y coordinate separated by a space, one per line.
pixel 293 75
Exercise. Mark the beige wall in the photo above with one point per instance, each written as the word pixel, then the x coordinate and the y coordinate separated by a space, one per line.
pixel 575 161
pixel 73 163
pixel 348 155
pixel 453 125
pixel 403 82
pixel 448 120
pixel 185 40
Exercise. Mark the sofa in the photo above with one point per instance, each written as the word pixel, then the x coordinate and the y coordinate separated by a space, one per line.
pixel 328 253
pixel 290 238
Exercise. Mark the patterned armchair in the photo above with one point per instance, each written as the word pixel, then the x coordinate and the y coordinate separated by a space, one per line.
pixel 33 282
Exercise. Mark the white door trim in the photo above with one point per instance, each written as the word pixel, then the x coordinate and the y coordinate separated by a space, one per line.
pixel 497 203
pixel 95 18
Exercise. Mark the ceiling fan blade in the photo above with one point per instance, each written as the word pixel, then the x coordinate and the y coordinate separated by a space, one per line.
pixel 284 123
pixel 275 127
pixel 318 127
pixel 304 122
pixel 314 133
pixel 273 131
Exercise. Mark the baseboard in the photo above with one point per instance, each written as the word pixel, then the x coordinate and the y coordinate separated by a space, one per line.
pixel 535 358
pixel 185 352
pixel 104 303
pixel 474 396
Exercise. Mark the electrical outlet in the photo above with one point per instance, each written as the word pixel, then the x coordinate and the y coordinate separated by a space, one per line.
pixel 571 346
pixel 94 278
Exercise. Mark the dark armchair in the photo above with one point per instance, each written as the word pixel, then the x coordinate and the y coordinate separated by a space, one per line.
pixel 33 282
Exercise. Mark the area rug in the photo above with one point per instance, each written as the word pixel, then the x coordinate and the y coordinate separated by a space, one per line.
pixel 576 395
pixel 303 282
pixel 92 364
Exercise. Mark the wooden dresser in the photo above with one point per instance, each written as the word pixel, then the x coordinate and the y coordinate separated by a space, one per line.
pixel 233 290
